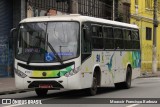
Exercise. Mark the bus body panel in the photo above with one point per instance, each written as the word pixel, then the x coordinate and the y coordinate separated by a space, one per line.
pixel 19 82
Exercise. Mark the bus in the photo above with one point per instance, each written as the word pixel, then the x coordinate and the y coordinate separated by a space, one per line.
pixel 75 52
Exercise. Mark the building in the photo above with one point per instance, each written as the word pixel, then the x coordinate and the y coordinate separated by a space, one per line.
pixel 95 8
pixel 142 15
pixel 10 15
pixel 12 11
pixel 123 11
pixel 139 12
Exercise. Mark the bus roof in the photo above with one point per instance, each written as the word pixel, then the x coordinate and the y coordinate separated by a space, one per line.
pixel 77 17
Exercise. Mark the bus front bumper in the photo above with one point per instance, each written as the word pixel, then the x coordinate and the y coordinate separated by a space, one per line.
pixel 73 82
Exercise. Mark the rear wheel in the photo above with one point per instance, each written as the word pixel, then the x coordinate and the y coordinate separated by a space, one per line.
pixel 41 92
pixel 127 83
pixel 128 78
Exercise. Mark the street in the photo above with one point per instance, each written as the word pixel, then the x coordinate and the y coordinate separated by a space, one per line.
pixel 141 88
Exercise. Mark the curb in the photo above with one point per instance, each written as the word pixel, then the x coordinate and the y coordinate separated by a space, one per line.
pixel 147 75
pixel 16 91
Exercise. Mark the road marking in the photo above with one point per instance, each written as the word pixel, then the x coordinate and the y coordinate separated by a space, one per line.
pixel 13 105
pixel 133 105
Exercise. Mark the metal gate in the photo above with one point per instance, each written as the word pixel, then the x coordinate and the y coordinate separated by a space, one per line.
pixel 5 26
pixel 96 8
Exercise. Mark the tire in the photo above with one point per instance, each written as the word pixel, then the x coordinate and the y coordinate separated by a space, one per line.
pixel 93 89
pixel 127 83
pixel 41 92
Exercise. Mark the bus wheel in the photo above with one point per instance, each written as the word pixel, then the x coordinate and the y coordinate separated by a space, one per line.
pixel 41 92
pixel 127 83
pixel 93 89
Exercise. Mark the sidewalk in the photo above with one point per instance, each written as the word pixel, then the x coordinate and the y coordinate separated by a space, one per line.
pixel 7 85
pixel 150 74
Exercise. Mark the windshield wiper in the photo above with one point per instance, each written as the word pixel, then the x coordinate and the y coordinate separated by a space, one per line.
pixel 52 49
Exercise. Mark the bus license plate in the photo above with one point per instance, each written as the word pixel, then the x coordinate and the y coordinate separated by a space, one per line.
pixel 45 86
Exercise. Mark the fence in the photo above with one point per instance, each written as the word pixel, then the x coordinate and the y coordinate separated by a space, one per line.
pixel 95 8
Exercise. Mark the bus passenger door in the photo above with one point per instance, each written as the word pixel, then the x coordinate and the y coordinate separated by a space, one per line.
pixel 87 63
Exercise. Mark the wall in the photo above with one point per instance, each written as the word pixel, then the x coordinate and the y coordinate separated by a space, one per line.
pixel 144 18
pixel 6 20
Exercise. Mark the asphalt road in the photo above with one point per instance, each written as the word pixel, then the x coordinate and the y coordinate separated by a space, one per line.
pixel 141 88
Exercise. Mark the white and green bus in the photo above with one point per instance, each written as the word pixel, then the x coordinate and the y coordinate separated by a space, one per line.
pixel 75 52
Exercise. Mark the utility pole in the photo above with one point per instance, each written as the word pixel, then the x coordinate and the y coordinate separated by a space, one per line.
pixel 113 15
pixel 155 25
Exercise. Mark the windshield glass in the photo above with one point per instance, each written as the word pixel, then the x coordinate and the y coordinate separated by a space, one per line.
pixel 33 39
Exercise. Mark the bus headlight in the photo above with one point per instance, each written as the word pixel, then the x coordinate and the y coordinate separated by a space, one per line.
pixel 20 73
pixel 73 72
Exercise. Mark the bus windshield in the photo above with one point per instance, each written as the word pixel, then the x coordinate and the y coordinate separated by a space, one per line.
pixel 33 40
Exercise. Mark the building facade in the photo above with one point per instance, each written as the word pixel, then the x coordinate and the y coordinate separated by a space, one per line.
pixel 4 33
pixel 139 12
pixel 123 11
pixel 142 15
pixel 95 8
pixel 13 11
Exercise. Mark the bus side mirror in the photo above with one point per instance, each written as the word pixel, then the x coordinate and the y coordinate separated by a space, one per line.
pixel 12 32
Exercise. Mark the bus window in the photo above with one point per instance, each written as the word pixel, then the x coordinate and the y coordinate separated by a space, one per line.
pixel 135 40
pixel 118 38
pixel 86 41
pixel 108 38
pixel 97 37
pixel 127 39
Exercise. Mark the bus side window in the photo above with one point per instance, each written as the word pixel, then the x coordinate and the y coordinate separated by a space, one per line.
pixel 86 40
pixel 97 37
pixel 118 38
pixel 135 39
pixel 127 39
pixel 108 38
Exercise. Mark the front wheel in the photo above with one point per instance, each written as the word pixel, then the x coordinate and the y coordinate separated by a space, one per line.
pixel 93 89
pixel 41 92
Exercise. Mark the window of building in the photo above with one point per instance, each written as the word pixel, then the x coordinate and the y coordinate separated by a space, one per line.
pixel 148 33
pixel 149 4
pixel 97 37
pixel 158 6
pixel 108 38
pixel 136 2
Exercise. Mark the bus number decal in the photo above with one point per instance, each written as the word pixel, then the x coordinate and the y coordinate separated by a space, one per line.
pixel 98 58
